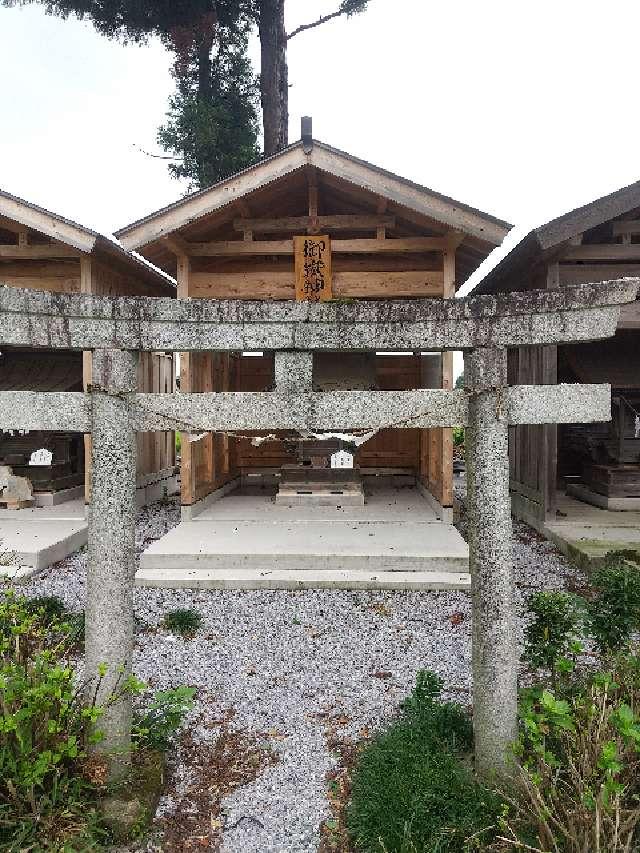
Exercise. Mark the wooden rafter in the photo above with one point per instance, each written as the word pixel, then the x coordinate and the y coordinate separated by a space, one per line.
pixel 398 245
pixel 177 244
pixel 38 252
pixel 603 252
pixel 630 226
pixel 336 222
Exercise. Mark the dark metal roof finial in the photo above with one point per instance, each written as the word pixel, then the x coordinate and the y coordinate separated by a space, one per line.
pixel 306 134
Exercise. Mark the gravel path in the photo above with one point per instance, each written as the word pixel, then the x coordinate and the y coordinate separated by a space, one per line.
pixel 290 666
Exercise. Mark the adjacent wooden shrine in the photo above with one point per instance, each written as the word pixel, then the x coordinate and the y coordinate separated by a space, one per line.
pixel 40 250
pixel 316 224
pixel 599 462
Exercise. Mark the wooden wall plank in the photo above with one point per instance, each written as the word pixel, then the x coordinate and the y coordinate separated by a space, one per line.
pixel 281 285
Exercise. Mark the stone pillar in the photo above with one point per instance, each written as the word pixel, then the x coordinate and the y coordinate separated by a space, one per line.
pixel 109 604
pixel 495 647
pixel 294 372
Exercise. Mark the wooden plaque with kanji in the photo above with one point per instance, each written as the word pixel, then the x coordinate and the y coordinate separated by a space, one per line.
pixel 313 268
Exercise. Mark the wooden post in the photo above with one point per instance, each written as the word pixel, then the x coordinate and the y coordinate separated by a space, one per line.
pixel 445 450
pixel 86 287
pixel 187 474
pixel 550 431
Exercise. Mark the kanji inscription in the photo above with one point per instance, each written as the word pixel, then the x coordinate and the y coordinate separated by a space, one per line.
pixel 313 268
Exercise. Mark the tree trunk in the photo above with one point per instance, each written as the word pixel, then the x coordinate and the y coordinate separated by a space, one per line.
pixel 205 36
pixel 274 77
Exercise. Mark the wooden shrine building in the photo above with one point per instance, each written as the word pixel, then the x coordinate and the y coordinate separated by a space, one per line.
pixel 43 251
pixel 597 463
pixel 315 223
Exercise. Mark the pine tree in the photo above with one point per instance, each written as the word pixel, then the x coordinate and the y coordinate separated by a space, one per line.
pixel 212 124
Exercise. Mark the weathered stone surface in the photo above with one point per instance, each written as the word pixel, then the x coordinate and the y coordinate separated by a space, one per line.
pixel 35 410
pixel 583 312
pixel 294 372
pixel 299 411
pixel 494 637
pixel 557 404
pixel 289 408
pixel 109 606
pixel 526 404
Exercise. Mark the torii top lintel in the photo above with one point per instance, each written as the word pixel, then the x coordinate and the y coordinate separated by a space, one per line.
pixel 71 321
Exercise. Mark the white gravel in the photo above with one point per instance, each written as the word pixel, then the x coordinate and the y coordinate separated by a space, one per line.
pixel 280 659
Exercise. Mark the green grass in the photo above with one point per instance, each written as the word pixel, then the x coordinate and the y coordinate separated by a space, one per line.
pixel 183 621
pixel 411 793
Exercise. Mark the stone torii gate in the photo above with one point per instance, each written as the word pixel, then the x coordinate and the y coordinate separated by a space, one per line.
pixel 117 329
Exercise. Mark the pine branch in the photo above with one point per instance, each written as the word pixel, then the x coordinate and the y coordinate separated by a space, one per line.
pixel 156 156
pixel 319 22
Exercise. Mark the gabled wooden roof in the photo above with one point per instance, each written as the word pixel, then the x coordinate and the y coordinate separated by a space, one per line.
pixel 277 183
pixel 546 240
pixel 65 233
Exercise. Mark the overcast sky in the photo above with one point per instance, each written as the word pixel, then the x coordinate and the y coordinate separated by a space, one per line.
pixel 523 109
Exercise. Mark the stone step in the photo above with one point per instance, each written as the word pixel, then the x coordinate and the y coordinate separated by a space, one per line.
pixel 284 579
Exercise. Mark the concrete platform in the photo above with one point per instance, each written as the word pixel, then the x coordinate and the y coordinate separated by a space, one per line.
pixel 586 533
pixel 394 541
pixel 39 536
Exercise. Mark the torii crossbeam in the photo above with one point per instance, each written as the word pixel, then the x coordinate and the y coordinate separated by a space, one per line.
pixel 112 411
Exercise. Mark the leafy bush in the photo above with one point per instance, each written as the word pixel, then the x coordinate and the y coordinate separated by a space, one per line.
pixel 183 621
pixel 614 613
pixel 552 635
pixel 580 764
pixel 51 608
pixel 48 786
pixel 410 791
pixel 43 729
pixel 458 436
pixel 157 724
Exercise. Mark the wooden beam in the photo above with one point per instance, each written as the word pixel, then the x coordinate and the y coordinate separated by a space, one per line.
pixel 177 244
pixel 24 252
pixel 312 182
pixel 10 225
pixel 336 222
pixel 454 239
pixel 629 226
pixel 399 245
pixel 603 252
pixel 571 274
pixel 281 285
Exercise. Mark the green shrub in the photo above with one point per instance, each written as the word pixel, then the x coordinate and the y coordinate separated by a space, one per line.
pixel 579 754
pixel 614 613
pixel 552 634
pixel 183 621
pixel 458 436
pixel 51 608
pixel 48 607
pixel 44 727
pixel 157 724
pixel 178 442
pixel 49 791
pixel 410 791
